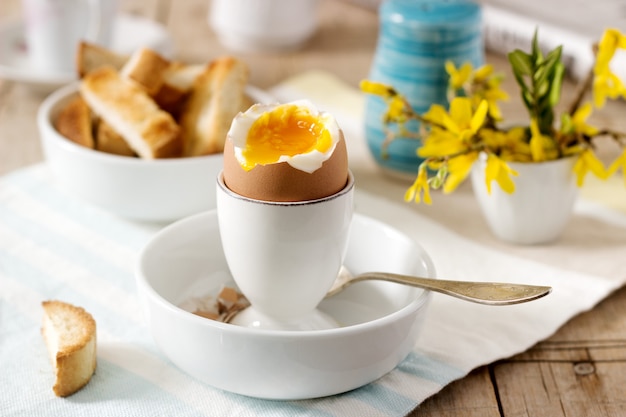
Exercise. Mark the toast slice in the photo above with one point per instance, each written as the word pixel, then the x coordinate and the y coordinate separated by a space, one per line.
pixel 146 68
pixel 70 336
pixel 109 141
pixel 178 79
pixel 181 76
pixel 150 131
pixel 90 57
pixel 74 122
pixel 215 99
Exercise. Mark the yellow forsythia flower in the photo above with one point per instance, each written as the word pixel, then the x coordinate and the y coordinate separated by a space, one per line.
pixel 452 133
pixel 610 41
pixel 482 73
pixel 488 88
pixel 606 83
pixel 542 147
pixel 462 120
pixel 395 102
pixel 478 119
pixel 588 162
pixel 619 162
pixel 492 94
pixel 498 170
pixel 579 120
pixel 458 77
pixel 510 145
pixel 441 143
pixel 395 110
pixel 458 169
pixel 419 186
pixel 377 89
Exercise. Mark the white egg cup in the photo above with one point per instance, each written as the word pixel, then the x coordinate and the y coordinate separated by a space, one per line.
pixel 284 256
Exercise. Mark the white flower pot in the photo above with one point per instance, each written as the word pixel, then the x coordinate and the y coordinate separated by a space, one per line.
pixel 539 209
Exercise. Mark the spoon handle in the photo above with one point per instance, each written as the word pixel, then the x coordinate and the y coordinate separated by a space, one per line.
pixel 491 293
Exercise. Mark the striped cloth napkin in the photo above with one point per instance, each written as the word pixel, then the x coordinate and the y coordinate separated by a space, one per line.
pixel 53 246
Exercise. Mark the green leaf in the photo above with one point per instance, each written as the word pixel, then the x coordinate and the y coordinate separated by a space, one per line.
pixel 566 123
pixel 539 75
pixel 536 51
pixel 528 100
pixel 554 56
pixel 521 62
pixel 545 67
pixel 540 79
pixel 557 82
pixel 542 88
pixel 545 71
pixel 545 118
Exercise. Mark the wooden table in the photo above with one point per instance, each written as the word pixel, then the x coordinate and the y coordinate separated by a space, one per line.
pixel 579 371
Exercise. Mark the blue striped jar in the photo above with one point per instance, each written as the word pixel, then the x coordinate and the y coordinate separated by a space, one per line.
pixel 415 40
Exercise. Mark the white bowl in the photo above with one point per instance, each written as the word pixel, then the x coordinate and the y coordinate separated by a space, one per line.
pixel 148 190
pixel 381 320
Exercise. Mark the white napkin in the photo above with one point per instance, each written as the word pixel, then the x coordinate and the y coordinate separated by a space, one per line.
pixel 54 246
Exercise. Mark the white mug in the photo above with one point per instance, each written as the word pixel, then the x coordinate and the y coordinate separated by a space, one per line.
pixel 53 28
pixel 284 256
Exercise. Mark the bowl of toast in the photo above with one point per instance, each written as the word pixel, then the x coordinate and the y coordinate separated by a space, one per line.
pixel 142 136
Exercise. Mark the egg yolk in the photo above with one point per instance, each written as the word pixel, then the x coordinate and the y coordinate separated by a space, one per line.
pixel 287 130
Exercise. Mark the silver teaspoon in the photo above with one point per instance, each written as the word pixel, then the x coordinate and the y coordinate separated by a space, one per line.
pixel 490 293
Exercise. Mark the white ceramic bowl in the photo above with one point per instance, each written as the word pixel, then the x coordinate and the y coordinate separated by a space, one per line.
pixel 148 190
pixel 381 320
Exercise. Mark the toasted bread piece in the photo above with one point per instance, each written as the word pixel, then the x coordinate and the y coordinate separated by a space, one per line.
pixel 74 122
pixel 146 68
pixel 70 336
pixel 216 97
pixel 178 79
pixel 132 113
pixel 109 141
pixel 171 99
pixel 90 57
pixel 183 77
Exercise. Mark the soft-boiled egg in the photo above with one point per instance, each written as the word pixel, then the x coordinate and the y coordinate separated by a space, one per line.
pixel 285 152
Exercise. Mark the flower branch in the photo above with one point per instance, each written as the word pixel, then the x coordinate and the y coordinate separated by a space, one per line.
pixel 452 139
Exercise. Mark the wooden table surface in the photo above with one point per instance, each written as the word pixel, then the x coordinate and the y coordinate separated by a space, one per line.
pixel 579 371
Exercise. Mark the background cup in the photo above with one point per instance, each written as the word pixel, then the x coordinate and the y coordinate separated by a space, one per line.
pixel 263 26
pixel 284 256
pixel 54 28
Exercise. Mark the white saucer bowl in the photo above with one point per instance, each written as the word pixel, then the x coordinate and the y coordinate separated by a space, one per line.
pixel 147 190
pixel 381 320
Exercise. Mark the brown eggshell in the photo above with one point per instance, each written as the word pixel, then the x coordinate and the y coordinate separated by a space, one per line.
pixel 282 182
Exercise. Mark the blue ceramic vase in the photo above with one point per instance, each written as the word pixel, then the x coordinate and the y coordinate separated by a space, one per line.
pixel 416 38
